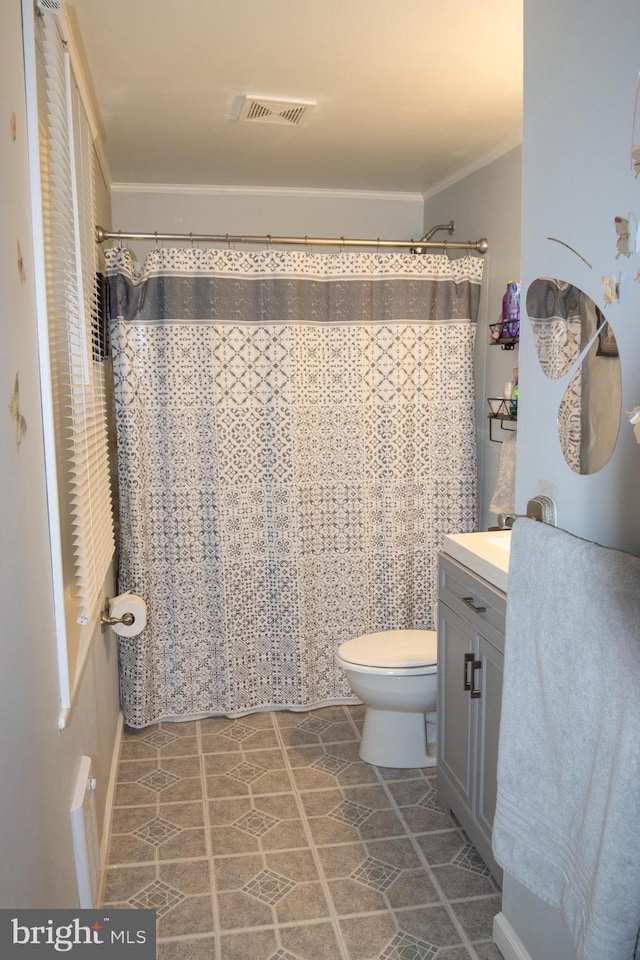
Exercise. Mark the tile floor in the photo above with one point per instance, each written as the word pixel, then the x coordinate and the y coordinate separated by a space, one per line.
pixel 267 838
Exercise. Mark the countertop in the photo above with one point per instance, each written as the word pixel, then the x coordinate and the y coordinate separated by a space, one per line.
pixel 486 554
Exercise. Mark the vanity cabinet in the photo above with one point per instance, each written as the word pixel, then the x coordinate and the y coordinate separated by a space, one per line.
pixel 471 619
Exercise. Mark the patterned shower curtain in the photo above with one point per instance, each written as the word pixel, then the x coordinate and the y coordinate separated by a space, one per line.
pixel 296 435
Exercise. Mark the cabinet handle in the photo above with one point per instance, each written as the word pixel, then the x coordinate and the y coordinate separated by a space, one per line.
pixel 476 693
pixel 476 608
pixel 468 659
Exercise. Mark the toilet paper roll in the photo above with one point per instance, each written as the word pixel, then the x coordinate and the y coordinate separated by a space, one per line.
pixel 128 603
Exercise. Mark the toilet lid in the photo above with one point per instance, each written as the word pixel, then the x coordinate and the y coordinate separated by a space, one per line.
pixel 392 648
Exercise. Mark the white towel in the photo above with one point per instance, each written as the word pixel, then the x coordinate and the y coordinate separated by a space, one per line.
pixel 504 498
pixel 567 822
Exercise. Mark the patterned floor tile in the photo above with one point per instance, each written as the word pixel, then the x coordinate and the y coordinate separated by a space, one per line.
pixel 216 743
pixel 135 770
pixel 258 945
pixel 376 874
pixel 192 915
pixel 341 860
pixel 349 812
pixel 247 835
pixel 163 746
pixel 126 849
pixel 188 949
pixel 269 886
pixel 487 951
pixel 232 873
pixel 123 884
pixel 255 823
pixel 412 888
pixel 405 947
pixel 367 937
pixel 398 851
pixel 298 865
pixel 351 898
pixel 299 735
pixel 305 901
pixel 157 896
pixel 238 910
pixel 430 924
pixel 288 834
pixel 476 916
pixel 257 721
pixel 458 883
pixel 312 942
pixel 409 792
pixel 129 819
pixel 159 780
pixel 459 953
pixel 440 847
pixel 188 876
pixel 226 841
pixel 469 858
pixel 421 818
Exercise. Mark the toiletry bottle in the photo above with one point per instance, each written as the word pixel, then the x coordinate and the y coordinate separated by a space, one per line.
pixel 513 300
pixel 513 406
pixel 512 325
pixel 505 311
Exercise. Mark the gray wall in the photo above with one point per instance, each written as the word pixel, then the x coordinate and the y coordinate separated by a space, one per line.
pixel 38 764
pixel 296 213
pixel 487 204
pixel 578 113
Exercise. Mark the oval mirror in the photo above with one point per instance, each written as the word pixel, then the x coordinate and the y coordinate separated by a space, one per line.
pixel 568 327
pixel 559 314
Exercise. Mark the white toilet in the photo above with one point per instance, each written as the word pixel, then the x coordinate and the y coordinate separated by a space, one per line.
pixel 394 673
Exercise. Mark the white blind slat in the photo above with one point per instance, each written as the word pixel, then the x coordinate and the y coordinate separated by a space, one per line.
pixel 68 192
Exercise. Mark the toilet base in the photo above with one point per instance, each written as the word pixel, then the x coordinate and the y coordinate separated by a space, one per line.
pixel 394 739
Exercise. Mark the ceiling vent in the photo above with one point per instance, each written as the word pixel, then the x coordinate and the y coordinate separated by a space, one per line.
pixel 49 6
pixel 266 110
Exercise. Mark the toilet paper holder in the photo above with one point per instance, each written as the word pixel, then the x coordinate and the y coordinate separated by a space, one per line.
pixel 128 619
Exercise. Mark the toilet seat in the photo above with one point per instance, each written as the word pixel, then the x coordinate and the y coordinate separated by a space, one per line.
pixel 397 652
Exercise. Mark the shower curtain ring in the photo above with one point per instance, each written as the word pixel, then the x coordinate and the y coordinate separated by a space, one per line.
pixel 341 244
pixel 191 239
pixel 156 236
pixel 268 241
pixel 120 239
pixel 378 247
pixel 228 241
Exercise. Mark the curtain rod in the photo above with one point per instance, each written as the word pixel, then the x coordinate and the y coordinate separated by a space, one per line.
pixel 415 246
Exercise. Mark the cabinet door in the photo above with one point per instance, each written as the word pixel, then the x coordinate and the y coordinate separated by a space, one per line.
pixel 456 743
pixel 489 681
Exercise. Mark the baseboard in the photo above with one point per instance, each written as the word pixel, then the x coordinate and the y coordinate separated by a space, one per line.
pixel 108 808
pixel 507 940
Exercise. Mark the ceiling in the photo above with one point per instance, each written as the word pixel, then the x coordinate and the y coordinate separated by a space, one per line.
pixel 411 94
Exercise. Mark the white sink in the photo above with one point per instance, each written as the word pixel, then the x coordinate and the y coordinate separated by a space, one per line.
pixel 504 543
pixel 487 554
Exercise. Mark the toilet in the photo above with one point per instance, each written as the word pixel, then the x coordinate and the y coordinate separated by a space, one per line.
pixel 394 673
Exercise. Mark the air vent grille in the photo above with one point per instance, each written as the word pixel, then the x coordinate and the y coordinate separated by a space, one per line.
pixel 267 110
pixel 49 6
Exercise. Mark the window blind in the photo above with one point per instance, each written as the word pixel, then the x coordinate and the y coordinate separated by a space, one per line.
pixel 73 311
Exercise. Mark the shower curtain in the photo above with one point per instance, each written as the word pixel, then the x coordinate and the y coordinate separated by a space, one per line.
pixel 296 435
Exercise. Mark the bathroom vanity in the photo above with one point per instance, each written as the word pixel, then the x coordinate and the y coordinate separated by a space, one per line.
pixel 472 582
pixel 473 575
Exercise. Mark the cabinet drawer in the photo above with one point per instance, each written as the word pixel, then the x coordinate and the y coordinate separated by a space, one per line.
pixel 475 600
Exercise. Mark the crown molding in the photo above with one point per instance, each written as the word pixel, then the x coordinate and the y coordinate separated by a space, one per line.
pixel 505 146
pixel 194 189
